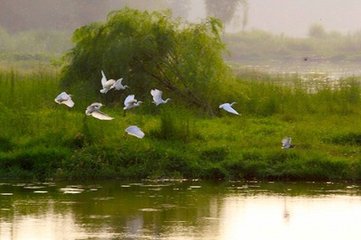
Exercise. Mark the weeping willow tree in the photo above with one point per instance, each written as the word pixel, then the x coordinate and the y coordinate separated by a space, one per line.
pixel 150 49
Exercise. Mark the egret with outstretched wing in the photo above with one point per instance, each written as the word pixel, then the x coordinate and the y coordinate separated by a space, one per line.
pixel 228 107
pixel 135 131
pixel 106 84
pixel 64 98
pixel 118 85
pixel 157 97
pixel 131 102
pixel 94 110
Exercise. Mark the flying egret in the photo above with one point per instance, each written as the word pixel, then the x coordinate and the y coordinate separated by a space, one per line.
pixel 118 85
pixel 157 97
pixel 111 83
pixel 287 143
pixel 64 98
pixel 135 131
pixel 131 102
pixel 94 110
pixel 228 107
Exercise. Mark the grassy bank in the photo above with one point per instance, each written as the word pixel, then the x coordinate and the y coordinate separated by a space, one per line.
pixel 40 139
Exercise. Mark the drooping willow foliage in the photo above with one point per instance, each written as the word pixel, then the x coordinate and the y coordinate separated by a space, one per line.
pixel 150 49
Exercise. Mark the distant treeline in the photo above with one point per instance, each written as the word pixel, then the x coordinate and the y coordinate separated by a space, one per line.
pixel 245 47
pixel 320 45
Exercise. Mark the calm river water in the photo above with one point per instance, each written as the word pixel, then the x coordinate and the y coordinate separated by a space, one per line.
pixel 180 210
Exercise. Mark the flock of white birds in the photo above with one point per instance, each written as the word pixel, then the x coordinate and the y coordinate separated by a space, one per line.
pixel 130 102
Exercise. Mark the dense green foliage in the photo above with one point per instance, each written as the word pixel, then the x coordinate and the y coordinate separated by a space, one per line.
pixel 150 50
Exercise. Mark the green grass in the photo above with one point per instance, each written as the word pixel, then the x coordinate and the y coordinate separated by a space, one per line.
pixel 40 139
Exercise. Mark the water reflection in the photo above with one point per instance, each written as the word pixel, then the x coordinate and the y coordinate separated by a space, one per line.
pixel 175 210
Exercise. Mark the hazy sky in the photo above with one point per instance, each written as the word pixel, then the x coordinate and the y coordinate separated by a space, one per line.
pixel 293 17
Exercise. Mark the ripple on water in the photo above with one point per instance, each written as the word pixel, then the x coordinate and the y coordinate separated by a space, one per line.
pixel 33 187
pixel 40 191
pixel 150 210
pixel 71 190
pixel 6 194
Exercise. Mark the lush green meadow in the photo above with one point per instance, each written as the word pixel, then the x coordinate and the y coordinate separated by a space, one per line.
pixel 189 137
pixel 41 139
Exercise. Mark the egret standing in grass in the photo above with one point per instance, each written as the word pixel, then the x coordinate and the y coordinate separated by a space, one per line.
pixel 111 83
pixel 228 107
pixel 135 131
pixel 287 143
pixel 94 110
pixel 157 97
pixel 64 98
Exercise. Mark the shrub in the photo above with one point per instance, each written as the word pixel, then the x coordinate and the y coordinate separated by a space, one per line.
pixel 150 50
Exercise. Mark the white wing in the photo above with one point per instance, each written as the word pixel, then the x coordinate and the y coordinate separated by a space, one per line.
pixel 129 99
pixel 104 79
pixel 228 108
pixel 64 98
pixel 118 84
pixel 135 131
pixel 69 103
pixel 157 95
pixel 100 115
pixel 61 97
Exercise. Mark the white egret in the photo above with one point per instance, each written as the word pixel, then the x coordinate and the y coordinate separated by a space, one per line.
pixel 135 131
pixel 118 85
pixel 157 97
pixel 228 107
pixel 287 143
pixel 111 83
pixel 64 98
pixel 131 102
pixel 94 110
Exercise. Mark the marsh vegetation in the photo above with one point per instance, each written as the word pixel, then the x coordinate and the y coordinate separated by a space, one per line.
pixel 188 138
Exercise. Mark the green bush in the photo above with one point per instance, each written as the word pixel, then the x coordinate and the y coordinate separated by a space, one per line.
pixel 150 50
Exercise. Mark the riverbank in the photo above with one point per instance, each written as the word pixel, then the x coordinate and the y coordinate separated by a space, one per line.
pixel 40 139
